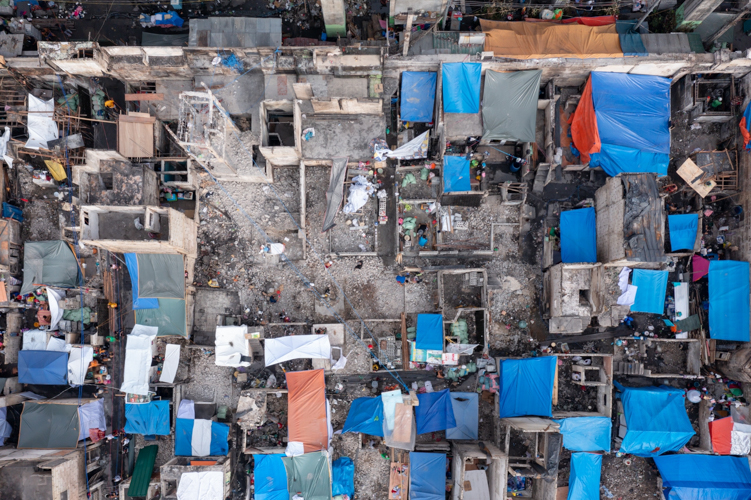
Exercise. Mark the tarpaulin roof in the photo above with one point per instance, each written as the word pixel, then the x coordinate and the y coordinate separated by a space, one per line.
pixel 270 477
pixel 435 412
pixel 309 475
pixel 683 229
pixel 526 387
pixel 297 347
pixel 91 416
pixel 461 87
pixel 729 300
pixel 161 276
pixel 650 290
pixel 131 262
pixel 49 263
pixel 509 105
pixel 416 148
pixel 584 479
pixel 366 416
pixel 704 477
pixel 171 363
pixel 547 39
pixel 456 174
pixel 335 192
pixel 343 477
pixel 427 476
pixel 206 485
pixel 418 96
pixel 139 482
pixel 169 317
pixel 231 346
pixel 586 433
pixel 200 438
pixel 730 436
pixel 49 426
pixel 429 332
pixel 43 367
pixel 699 267
pixel 621 123
pixel 656 420
pixel 148 418
pixel 466 414
pixel 138 354
pixel 579 235
pixel 306 417
pixel 79 360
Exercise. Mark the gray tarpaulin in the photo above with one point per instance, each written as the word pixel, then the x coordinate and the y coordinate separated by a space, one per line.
pixel 335 192
pixel 49 426
pixel 161 276
pixel 169 317
pixel 49 263
pixel 309 474
pixel 509 105
pixel 164 40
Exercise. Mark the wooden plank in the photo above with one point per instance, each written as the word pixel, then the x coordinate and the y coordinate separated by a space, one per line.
pixel 144 97
pixel 135 136
pixel 689 172
pixel 136 119
pixel 555 383
pixel 405 344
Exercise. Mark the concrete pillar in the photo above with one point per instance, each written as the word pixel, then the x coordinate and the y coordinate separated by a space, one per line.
pixel 334 17
pixel 690 15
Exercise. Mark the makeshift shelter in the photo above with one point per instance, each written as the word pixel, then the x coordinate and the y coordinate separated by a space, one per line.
pixel 699 266
pixel 729 300
pixel 200 438
pixel 429 332
pixel 466 414
pixel 43 367
pixel 509 105
pixel 456 176
pixel 131 262
pixel 584 479
pixel 343 477
pixel 307 417
pixel 417 96
pixel 91 417
pixel 435 412
pixel 414 149
pixel 579 236
pixel 169 317
pixel 50 263
pixel 366 416
pixel 148 418
pixel 586 433
pixel 296 347
pixel 427 476
pixel 461 87
pixel 309 475
pixel 731 435
pixel 622 123
pixel 205 485
pixel 656 420
pixel 231 346
pixel 138 354
pixel 650 291
pixel 161 276
pixel 49 426
pixel 139 483
pixel 683 229
pixel 526 387
pixel 704 477
pixel 270 477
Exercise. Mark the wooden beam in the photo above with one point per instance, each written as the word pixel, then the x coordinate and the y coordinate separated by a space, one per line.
pixel 405 344
pixel 408 32
pixel 144 97
pixel 136 119
pixel 555 383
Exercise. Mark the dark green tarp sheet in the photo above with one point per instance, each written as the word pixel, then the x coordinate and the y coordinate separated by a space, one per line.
pixel 161 276
pixel 309 474
pixel 509 105
pixel 169 317
pixel 49 263
pixel 49 426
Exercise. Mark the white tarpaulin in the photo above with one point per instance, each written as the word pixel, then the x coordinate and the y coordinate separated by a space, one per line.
pixel 56 344
pixel 171 362
pixel 416 148
pixel 4 147
pixel 42 128
pixel 297 347
pixel 54 298
pixel 201 486
pixel 200 442
pixel 34 340
pixel 5 427
pixel 478 481
pixel 187 409
pixel 92 417
pixel 231 344
pixel 681 301
pixel 138 360
pixel 78 364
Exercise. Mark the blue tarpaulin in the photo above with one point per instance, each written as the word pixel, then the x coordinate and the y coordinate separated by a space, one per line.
pixel 131 262
pixel 650 291
pixel 656 420
pixel 461 87
pixel 427 476
pixel 584 479
pixel 683 229
pixel 456 174
pixel 435 412
pixel 184 438
pixel 366 416
pixel 728 300
pixel 429 332
pixel 632 113
pixel 43 367
pixel 417 96
pixel 148 418
pixel 466 414
pixel 704 477
pixel 586 433
pixel 270 477
pixel 578 235
pixel 526 387
pixel 343 477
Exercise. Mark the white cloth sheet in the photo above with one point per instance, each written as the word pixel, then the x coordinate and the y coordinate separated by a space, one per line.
pixel 171 362
pixel 34 340
pixel 138 360
pixel 78 363
pixel 201 486
pixel 297 347
pixel 200 442
pixel 231 344
pixel 42 128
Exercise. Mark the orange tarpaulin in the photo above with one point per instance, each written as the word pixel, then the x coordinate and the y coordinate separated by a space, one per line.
pixel 720 431
pixel 546 40
pixel 584 125
pixel 306 417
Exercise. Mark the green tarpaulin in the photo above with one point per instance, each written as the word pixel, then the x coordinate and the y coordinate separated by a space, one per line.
pixel 169 317
pixel 309 475
pixel 49 263
pixel 161 276
pixel 509 105
pixel 49 426
pixel 139 483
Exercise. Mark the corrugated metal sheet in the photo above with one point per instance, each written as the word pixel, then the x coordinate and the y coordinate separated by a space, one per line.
pixel 713 23
pixel 643 219
pixel 139 483
pixel 666 43
pixel 450 40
